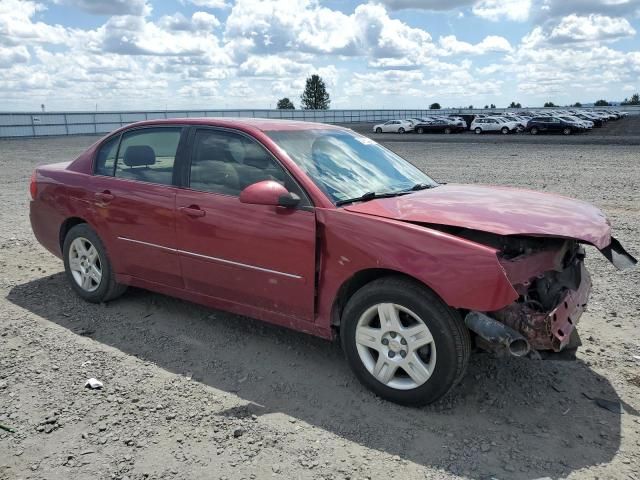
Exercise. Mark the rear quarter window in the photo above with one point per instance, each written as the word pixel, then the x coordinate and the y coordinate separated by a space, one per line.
pixel 106 157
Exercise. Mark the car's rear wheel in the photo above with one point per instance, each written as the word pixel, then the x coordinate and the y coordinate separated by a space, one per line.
pixel 420 130
pixel 87 266
pixel 378 130
pixel 534 131
pixel 401 130
pixel 403 342
pixel 566 131
pixel 504 130
pixel 478 130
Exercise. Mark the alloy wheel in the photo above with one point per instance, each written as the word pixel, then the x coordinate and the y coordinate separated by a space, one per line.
pixel 85 264
pixel 395 346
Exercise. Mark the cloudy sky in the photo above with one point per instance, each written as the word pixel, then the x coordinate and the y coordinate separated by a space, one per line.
pixel 135 54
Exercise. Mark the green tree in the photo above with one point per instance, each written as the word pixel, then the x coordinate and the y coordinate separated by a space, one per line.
pixel 493 105
pixel 486 107
pixel 315 95
pixel 435 106
pixel 285 104
pixel 549 104
pixel 470 107
pixel 577 105
pixel 635 100
pixel 602 103
pixel 515 105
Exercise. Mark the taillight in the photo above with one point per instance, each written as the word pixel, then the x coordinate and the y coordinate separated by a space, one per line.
pixel 33 186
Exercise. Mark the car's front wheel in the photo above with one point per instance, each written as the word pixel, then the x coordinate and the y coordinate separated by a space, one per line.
pixel 420 130
pixel 87 266
pixel 566 131
pixel 403 342
pixel 504 130
pixel 534 131
pixel 401 130
pixel 478 130
pixel 378 130
pixel 447 130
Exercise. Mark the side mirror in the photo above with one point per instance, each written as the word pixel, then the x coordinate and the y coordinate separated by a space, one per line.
pixel 269 192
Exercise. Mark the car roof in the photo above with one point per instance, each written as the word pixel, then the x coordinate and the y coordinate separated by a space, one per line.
pixel 262 124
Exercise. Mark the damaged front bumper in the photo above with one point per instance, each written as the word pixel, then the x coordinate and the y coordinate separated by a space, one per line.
pixel 551 329
pixel 553 286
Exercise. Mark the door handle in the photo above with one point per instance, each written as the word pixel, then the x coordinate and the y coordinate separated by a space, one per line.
pixel 193 211
pixel 104 197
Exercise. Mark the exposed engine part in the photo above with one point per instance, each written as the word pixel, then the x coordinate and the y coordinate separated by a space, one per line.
pixel 497 334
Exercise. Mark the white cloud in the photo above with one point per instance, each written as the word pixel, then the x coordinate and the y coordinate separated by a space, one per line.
pixel 109 7
pixel 13 55
pixel 614 8
pixel 492 43
pixel 129 35
pixel 303 25
pixel 426 4
pixel 592 28
pixel 17 27
pixel 495 10
pixel 271 66
pixel 199 21
pixel 265 49
pixel 207 3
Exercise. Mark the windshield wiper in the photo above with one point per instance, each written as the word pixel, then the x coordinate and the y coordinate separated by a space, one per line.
pixel 373 195
pixel 370 196
pixel 421 186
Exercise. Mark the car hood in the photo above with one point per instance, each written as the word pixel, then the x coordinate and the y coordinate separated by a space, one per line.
pixel 499 210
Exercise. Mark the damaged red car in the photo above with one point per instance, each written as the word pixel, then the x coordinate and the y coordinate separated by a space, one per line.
pixel 319 229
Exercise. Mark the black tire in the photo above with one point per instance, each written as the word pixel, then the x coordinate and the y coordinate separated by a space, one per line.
pixel 401 130
pixel 108 288
pixel 478 131
pixel 504 130
pixel 534 131
pixel 566 131
pixel 378 130
pixel 447 130
pixel 420 130
pixel 450 336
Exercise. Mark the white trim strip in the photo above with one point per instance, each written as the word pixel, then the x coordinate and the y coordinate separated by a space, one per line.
pixel 215 259
pixel 169 249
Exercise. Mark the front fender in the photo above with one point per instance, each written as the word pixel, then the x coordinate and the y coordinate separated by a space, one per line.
pixel 463 273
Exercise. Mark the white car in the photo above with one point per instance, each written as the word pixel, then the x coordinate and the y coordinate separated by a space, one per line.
pixel 587 124
pixel 394 126
pixel 493 124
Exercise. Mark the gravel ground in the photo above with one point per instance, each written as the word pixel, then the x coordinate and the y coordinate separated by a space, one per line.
pixel 195 393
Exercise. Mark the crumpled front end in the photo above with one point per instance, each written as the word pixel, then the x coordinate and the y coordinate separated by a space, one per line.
pixel 554 288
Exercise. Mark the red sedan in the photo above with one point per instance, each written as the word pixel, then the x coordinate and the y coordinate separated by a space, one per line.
pixel 322 230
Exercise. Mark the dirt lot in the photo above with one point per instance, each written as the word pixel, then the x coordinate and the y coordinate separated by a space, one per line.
pixel 194 393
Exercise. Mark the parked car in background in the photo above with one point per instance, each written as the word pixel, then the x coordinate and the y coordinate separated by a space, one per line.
pixel 458 121
pixel 492 125
pixel 319 229
pixel 597 122
pixel 552 125
pixel 394 126
pixel 585 124
pixel 439 125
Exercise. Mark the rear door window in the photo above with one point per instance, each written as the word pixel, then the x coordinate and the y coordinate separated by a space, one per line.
pixel 148 155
